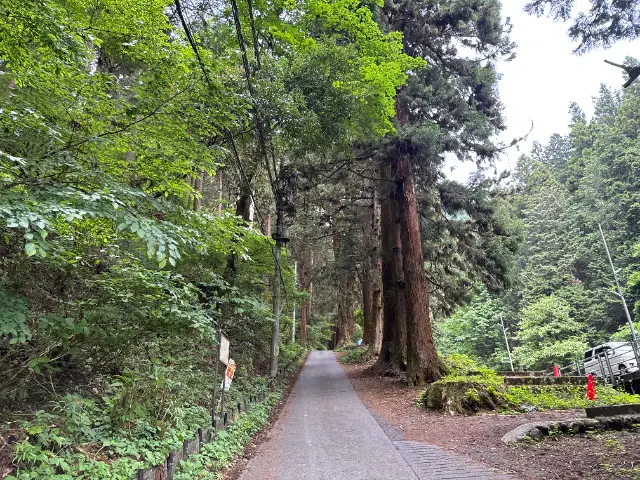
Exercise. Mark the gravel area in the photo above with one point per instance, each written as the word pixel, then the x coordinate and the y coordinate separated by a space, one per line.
pixel 479 437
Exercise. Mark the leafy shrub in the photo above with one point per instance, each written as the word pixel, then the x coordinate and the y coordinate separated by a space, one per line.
pixel 319 333
pixel 290 352
pixel 83 441
pixel 357 355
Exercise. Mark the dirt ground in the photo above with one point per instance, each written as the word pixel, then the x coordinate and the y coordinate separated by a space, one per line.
pixel 593 456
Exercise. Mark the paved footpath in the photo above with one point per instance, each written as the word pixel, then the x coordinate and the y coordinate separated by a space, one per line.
pixel 326 433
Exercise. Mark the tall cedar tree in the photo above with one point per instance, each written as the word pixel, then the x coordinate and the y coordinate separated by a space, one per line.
pixel 449 107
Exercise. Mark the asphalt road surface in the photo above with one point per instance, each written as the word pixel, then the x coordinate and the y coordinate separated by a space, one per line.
pixel 326 433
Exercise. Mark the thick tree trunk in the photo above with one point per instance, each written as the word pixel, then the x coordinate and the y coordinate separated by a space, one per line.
pixel 243 205
pixel 399 358
pixel 368 327
pixel 423 364
pixel 371 281
pixel 387 229
pixel 345 321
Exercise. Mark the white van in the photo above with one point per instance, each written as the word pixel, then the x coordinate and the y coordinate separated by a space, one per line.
pixel 621 358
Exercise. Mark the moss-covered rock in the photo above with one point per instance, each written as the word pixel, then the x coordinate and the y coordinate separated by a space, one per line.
pixel 466 389
pixel 466 395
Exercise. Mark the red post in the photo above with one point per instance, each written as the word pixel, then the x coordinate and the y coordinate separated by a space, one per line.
pixel 556 371
pixel 591 388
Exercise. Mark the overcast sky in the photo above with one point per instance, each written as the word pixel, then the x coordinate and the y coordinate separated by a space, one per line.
pixel 544 79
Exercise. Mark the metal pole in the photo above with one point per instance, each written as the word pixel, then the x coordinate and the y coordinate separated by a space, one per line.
pixel 614 380
pixel 604 376
pixel 222 397
pixel 506 341
pixel 634 346
pixel 215 382
pixel 615 279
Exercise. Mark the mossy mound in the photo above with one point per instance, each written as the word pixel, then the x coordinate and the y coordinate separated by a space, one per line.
pixel 466 388
pixel 464 395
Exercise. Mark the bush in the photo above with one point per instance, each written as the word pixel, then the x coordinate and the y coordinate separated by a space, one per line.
pixel 358 355
pixel 215 456
pixel 319 333
pixel 291 352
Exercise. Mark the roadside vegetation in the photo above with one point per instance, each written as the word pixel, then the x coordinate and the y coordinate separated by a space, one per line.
pixel 470 388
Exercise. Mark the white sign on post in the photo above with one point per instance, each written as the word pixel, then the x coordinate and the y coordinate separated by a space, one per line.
pixel 224 349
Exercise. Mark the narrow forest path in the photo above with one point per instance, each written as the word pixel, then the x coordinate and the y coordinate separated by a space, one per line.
pixel 326 433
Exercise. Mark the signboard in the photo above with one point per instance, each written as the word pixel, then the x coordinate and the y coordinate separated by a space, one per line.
pixel 228 374
pixel 224 349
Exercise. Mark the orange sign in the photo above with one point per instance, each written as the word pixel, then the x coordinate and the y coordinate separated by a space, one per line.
pixel 228 374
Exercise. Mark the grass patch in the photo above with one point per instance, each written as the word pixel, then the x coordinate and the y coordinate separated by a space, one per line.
pixel 564 397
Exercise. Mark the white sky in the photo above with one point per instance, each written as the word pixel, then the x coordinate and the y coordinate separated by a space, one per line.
pixel 543 79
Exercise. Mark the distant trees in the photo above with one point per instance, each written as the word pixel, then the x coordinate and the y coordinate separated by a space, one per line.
pixel 560 301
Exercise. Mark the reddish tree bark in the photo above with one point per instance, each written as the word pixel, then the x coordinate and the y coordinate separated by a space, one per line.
pixel 387 235
pixel 345 321
pixel 423 364
pixel 371 281
pixel 400 335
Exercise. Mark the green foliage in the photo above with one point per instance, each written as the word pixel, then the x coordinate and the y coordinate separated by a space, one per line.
pixel 291 353
pixel 474 330
pixel 470 388
pixel 564 397
pixel 217 455
pixel 14 310
pixel 319 333
pixel 548 335
pixel 466 388
pixel 357 355
pixel 108 452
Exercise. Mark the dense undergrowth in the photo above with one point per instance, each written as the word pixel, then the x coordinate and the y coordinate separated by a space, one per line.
pixel 356 354
pixel 80 442
pixel 217 455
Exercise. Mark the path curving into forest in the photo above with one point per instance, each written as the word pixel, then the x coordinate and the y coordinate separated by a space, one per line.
pixel 326 433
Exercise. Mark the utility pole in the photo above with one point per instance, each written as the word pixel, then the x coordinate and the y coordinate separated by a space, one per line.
pixel 619 294
pixel 275 334
pixel 284 191
pixel 506 341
